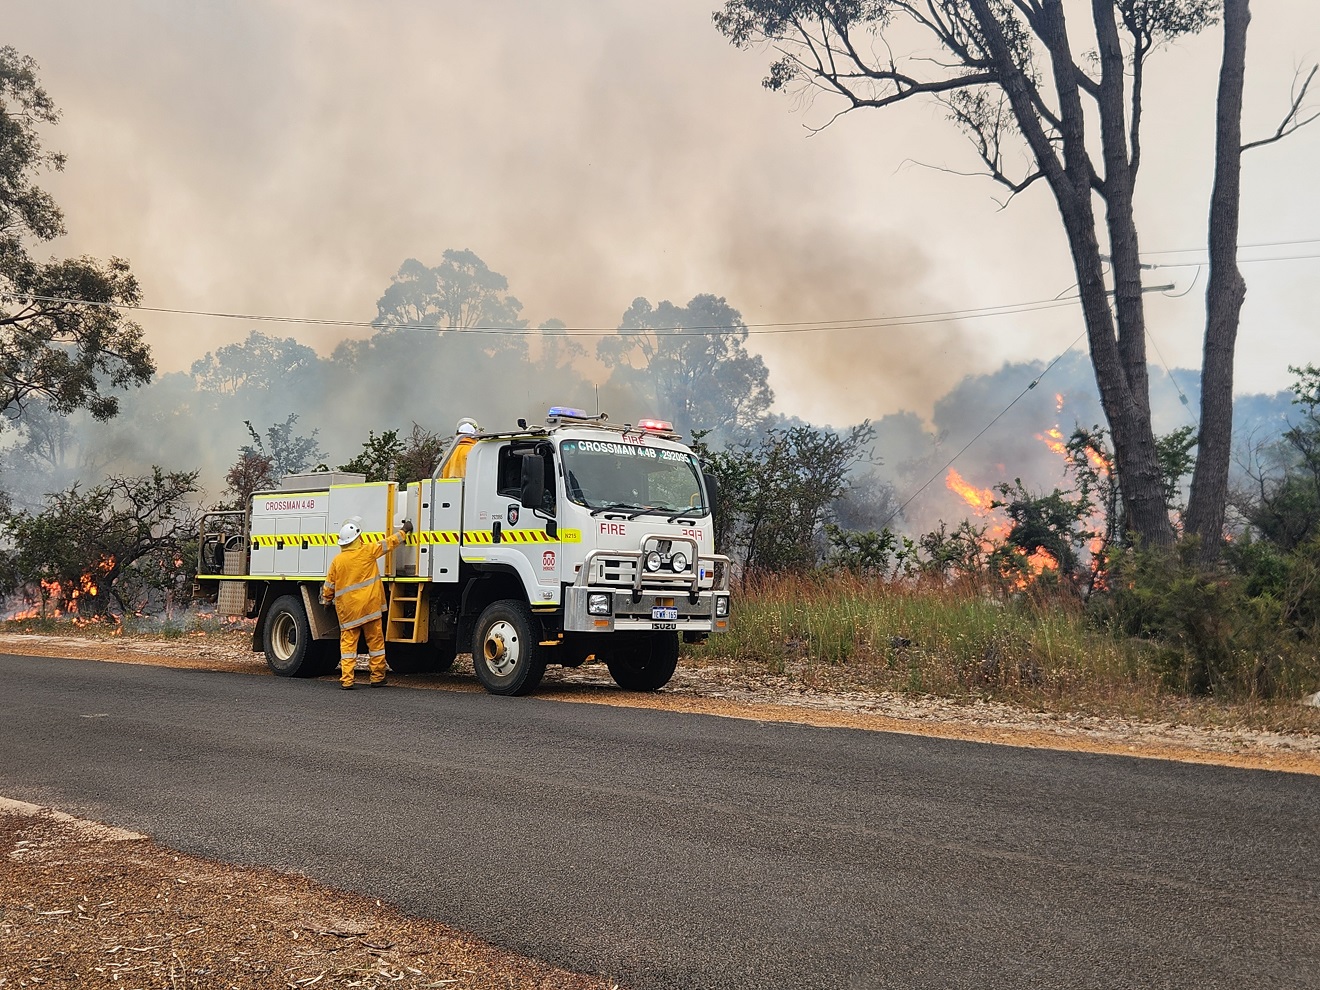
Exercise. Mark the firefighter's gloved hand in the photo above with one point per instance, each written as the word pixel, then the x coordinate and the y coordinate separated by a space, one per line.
pixel 407 527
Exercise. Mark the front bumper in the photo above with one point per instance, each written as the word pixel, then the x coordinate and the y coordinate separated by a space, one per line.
pixel 694 601
pixel 629 611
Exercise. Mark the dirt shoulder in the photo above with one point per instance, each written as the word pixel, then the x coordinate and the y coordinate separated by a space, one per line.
pixel 83 905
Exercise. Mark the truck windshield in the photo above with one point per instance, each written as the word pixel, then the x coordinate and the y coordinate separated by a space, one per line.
pixel 608 474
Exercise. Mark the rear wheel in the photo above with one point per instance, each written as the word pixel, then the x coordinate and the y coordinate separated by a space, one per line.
pixel 290 649
pixel 506 652
pixel 646 663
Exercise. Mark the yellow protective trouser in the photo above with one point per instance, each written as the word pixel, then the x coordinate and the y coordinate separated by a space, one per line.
pixel 348 651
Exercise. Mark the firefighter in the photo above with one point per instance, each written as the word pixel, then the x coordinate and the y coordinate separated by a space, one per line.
pixel 353 584
pixel 466 432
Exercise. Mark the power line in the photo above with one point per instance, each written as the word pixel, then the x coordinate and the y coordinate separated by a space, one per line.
pixel 816 326
pixel 1258 244
pixel 786 327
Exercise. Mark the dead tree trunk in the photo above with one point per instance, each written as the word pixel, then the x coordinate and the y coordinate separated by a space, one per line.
pixel 1224 296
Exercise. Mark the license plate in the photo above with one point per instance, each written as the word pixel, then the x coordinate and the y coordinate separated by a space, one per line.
pixel 664 613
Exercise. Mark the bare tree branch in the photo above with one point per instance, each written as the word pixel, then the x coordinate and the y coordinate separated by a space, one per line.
pixel 1292 121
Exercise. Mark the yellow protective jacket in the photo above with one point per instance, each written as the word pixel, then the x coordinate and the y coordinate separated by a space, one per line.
pixel 353 581
pixel 456 466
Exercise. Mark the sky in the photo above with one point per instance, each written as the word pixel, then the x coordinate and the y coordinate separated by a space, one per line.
pixel 283 157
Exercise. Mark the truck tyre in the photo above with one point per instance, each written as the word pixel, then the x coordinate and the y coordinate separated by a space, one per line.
pixel 646 664
pixel 506 651
pixel 290 650
pixel 421 658
pixel 443 652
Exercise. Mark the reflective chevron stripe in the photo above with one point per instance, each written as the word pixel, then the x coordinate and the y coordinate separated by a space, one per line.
pixel 311 539
pixel 434 536
pixel 427 537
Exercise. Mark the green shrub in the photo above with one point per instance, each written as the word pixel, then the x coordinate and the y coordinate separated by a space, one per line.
pixel 1246 628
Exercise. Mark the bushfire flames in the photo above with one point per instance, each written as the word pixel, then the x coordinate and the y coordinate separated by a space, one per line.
pixel 59 599
pixel 1053 438
pixel 997 527
pixel 981 500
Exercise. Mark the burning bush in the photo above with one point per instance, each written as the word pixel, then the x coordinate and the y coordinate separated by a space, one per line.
pixel 120 546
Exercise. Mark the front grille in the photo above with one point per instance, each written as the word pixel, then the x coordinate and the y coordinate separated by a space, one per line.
pixel 616 571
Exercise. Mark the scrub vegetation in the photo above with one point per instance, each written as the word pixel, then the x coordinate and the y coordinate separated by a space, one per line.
pixel 1047 599
pixel 1035 647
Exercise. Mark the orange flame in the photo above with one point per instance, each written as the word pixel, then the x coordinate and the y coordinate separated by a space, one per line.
pixel 1042 560
pixel 978 498
pixel 981 500
pixel 1098 460
pixel 1053 438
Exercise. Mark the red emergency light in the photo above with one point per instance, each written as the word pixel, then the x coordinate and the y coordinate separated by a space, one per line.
pixel 655 425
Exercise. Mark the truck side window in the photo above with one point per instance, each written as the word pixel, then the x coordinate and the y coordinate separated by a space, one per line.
pixel 509 480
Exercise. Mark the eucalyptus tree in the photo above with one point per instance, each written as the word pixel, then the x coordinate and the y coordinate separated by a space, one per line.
pixel 691 363
pixel 1025 75
pixel 64 338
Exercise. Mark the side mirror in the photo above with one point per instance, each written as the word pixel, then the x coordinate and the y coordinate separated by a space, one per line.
pixel 712 491
pixel 533 482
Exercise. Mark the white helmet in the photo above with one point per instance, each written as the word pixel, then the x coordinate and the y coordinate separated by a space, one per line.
pixel 349 532
pixel 467 425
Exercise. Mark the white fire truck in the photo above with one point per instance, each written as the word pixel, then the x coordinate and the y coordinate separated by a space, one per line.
pixel 543 545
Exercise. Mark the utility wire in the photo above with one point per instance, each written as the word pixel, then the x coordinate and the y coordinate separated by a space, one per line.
pixel 1165 364
pixel 810 326
pixel 1258 244
pixel 870 323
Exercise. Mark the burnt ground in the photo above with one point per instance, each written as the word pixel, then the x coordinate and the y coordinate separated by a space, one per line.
pixel 85 905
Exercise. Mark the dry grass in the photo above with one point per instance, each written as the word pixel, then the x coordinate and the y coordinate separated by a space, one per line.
pixel 843 633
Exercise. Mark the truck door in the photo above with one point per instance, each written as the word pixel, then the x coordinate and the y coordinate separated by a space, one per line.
pixel 435 507
pixel 525 538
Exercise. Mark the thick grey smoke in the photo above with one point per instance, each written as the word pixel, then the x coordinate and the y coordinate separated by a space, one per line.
pixel 281 158
pixel 284 158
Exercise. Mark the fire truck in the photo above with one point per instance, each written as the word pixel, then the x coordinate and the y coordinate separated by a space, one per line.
pixel 558 544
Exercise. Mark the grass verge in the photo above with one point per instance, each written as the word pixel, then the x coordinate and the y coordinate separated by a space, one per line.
pixel 838 633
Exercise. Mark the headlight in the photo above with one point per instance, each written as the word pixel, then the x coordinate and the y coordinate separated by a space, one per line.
pixel 598 605
pixel 678 562
pixel 722 606
pixel 653 560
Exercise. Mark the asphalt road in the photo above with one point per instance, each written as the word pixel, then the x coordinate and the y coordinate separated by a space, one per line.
pixel 671 850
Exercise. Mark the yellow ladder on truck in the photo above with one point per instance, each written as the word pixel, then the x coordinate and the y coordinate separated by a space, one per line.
pixel 409 615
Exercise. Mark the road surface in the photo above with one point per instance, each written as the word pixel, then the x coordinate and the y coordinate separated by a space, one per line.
pixel 672 850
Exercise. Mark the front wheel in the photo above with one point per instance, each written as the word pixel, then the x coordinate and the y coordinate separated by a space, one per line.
pixel 506 652
pixel 288 640
pixel 645 664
